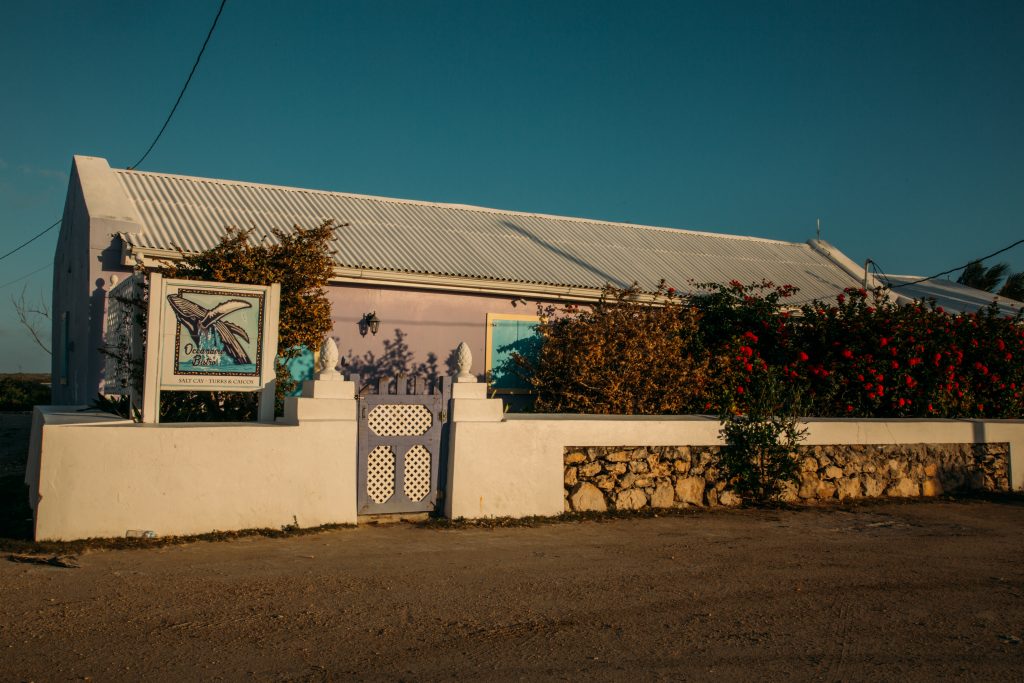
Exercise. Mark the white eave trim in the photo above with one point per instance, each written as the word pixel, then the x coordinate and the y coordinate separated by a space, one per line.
pixel 152 258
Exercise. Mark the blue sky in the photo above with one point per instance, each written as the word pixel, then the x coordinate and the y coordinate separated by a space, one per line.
pixel 898 124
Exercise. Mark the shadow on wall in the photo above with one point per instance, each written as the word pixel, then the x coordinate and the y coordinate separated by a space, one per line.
pixel 397 360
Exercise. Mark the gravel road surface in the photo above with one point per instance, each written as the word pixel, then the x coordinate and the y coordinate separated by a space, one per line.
pixel 895 591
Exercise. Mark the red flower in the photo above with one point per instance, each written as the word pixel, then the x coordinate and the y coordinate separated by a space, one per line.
pixel 802 356
pixel 750 336
pixel 847 353
pixel 902 402
pixel 671 291
pixel 849 408
pixel 739 390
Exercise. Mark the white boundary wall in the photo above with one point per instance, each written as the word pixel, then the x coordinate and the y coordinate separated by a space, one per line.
pixel 512 465
pixel 92 474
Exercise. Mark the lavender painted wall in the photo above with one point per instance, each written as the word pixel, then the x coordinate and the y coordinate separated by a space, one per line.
pixel 414 325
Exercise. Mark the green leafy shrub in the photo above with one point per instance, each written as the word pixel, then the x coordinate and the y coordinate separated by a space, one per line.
pixel 21 394
pixel 758 458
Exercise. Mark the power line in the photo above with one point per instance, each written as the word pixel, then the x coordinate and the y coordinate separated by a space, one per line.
pixel 953 270
pixel 157 138
pixel 183 88
pixel 880 273
pixel 25 277
pixel 18 248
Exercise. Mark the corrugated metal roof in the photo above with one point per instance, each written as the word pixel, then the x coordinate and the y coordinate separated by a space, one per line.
pixel 952 296
pixel 444 239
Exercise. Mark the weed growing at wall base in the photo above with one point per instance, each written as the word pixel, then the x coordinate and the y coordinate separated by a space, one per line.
pixel 758 458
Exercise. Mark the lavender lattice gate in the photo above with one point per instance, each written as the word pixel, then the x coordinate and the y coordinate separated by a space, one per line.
pixel 400 439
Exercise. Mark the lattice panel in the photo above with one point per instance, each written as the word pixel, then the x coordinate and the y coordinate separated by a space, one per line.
pixel 416 478
pixel 399 420
pixel 380 474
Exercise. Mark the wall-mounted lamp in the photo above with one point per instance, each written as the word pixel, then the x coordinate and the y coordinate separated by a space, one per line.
pixel 370 322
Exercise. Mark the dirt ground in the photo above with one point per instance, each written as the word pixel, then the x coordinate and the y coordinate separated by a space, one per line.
pixel 911 592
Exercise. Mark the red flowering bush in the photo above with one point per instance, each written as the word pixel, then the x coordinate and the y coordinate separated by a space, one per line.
pixel 862 356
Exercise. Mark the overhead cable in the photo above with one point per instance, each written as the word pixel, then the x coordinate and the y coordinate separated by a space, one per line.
pixel 21 246
pixel 183 88
pixel 25 277
pixel 953 270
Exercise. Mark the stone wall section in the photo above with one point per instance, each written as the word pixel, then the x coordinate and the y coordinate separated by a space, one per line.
pixel 599 478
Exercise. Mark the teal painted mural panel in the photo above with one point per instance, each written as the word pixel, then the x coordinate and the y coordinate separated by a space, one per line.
pixel 509 337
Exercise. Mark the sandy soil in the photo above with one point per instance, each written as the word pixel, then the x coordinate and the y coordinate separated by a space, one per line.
pixel 917 592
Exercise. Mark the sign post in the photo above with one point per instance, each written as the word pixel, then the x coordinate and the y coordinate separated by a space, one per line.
pixel 210 336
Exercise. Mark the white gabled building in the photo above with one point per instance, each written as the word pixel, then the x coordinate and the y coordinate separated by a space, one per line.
pixel 434 274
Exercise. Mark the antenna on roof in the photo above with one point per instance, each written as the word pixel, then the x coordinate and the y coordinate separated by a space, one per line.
pixel 819 229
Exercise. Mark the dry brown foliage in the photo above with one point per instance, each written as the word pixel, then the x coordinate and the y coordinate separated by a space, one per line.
pixel 628 354
pixel 299 259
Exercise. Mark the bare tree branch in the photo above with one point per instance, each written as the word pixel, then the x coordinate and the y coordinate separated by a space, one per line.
pixel 29 316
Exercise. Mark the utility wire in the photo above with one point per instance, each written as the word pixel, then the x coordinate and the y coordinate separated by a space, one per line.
pixel 184 87
pixel 25 277
pixel 880 273
pixel 953 270
pixel 18 248
pixel 157 138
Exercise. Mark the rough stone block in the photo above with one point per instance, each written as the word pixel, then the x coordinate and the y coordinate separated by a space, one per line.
pixel 633 499
pixel 905 487
pixel 587 498
pixel 849 488
pixel 663 495
pixel 931 487
pixel 575 458
pixel 571 476
pixel 690 490
pixel 872 487
pixel 730 498
pixel 617 456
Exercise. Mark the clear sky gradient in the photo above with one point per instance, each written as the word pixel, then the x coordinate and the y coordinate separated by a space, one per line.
pixel 900 125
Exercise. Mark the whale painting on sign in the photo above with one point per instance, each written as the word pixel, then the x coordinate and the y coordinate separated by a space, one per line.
pixel 221 332
pixel 210 336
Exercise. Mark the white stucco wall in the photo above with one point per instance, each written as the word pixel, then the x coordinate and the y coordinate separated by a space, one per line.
pixel 514 467
pixel 94 475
